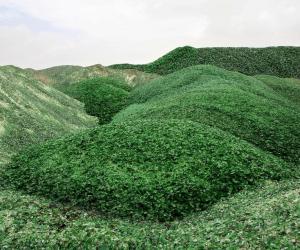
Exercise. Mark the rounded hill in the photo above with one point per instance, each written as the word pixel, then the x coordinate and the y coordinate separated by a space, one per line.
pixel 230 101
pixel 102 97
pixel 151 169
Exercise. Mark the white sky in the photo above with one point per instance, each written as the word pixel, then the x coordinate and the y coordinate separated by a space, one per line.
pixel 43 33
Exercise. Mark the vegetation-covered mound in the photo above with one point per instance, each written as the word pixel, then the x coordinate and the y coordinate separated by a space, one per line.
pixel 102 97
pixel 278 61
pixel 157 170
pixel 233 102
pixel 31 112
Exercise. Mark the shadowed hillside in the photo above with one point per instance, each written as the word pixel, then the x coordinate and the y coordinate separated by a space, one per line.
pixel 103 97
pixel 278 61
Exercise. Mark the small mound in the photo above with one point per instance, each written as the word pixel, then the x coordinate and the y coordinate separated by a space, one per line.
pixel 103 97
pixel 233 102
pixel 157 170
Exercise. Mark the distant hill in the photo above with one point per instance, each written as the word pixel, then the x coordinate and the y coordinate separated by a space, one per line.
pixel 68 74
pixel 31 112
pixel 278 61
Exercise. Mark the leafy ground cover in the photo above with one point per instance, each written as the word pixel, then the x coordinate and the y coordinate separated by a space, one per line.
pixel 286 87
pixel 264 218
pixel 278 61
pixel 241 105
pixel 102 97
pixel 31 112
pixel 196 160
pixel 158 170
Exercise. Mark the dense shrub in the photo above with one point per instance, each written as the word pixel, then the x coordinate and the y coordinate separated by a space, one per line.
pixel 102 97
pixel 143 169
pixel 233 102
pixel 279 61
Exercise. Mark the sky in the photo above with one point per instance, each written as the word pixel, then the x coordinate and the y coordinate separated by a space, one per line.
pixel 45 33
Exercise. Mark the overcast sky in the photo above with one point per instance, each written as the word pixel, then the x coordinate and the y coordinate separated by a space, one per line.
pixel 44 33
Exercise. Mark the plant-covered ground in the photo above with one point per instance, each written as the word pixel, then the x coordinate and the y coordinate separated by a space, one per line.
pixel 264 218
pixel 230 101
pixel 288 87
pixel 31 112
pixel 102 97
pixel 203 158
pixel 278 61
pixel 157 170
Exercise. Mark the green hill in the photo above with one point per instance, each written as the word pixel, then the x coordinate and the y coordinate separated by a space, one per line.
pixel 68 74
pixel 31 112
pixel 278 61
pixel 146 164
pixel 103 97
pixel 233 102
pixel 202 158
pixel 150 169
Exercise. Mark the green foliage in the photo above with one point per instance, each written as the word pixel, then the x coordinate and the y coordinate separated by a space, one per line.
pixel 233 102
pixel 31 112
pixel 264 218
pixel 278 61
pixel 229 134
pixel 286 87
pixel 157 170
pixel 102 97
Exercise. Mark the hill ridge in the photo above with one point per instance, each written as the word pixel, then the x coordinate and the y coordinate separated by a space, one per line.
pixel 282 61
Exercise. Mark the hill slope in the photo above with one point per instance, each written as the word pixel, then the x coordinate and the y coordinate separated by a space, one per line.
pixel 278 61
pixel 61 75
pixel 233 102
pixel 150 169
pixel 286 87
pixel 31 112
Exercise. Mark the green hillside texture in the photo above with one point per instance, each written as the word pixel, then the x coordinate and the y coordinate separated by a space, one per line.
pixel 233 102
pixel 277 61
pixel 263 218
pixel 102 97
pixel 289 87
pixel 152 169
pixel 199 149
pixel 31 112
